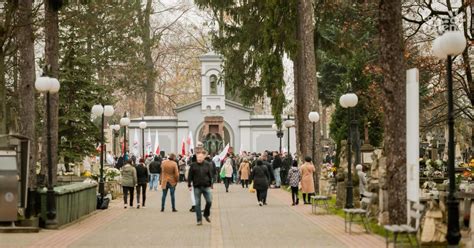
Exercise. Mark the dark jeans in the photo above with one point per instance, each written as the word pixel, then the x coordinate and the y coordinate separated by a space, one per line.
pixel 206 192
pixel 309 197
pixel 294 194
pixel 217 177
pixel 245 183
pixel 165 192
pixel 262 195
pixel 125 194
pixel 227 181
pixel 141 186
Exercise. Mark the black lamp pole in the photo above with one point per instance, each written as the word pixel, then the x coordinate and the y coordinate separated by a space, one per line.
pixel 124 136
pixel 102 146
pixel 349 195
pixel 50 196
pixel 143 140
pixel 280 135
pixel 453 235
pixel 314 140
pixel 289 137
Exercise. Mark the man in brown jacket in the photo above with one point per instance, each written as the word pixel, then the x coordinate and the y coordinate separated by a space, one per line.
pixel 169 179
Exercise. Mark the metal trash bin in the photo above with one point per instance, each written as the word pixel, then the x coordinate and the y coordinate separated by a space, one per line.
pixel 9 189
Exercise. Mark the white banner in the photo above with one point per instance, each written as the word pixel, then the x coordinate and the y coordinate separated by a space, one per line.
pixel 413 135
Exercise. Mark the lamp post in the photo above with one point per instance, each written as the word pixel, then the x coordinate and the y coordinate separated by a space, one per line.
pixel 49 85
pixel 349 101
pixel 104 111
pixel 313 117
pixel 124 122
pixel 279 133
pixel 288 124
pixel 451 43
pixel 115 128
pixel 142 126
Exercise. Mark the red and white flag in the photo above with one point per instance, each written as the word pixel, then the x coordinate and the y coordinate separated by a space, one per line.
pixel 190 142
pixel 156 149
pixel 223 154
pixel 98 148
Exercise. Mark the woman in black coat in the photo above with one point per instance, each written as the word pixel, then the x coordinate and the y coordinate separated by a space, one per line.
pixel 261 180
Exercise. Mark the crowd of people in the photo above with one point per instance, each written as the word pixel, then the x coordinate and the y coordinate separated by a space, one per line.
pixel 200 170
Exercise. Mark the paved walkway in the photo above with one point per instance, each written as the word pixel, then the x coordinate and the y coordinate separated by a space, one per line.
pixel 237 221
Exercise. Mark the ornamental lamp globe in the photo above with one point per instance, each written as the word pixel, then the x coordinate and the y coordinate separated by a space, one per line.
pixel 142 125
pixel 343 101
pixel 108 110
pixel 438 51
pixel 313 116
pixel 42 84
pixel 124 121
pixel 54 85
pixel 453 42
pixel 116 127
pixel 97 110
pixel 352 100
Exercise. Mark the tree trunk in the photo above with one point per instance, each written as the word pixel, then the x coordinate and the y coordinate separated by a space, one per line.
pixel 26 92
pixel 51 31
pixel 150 104
pixel 394 104
pixel 306 88
pixel 3 95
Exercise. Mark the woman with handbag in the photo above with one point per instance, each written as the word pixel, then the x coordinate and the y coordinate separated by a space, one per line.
pixel 227 173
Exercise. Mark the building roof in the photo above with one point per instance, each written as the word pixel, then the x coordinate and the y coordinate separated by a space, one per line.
pixel 227 102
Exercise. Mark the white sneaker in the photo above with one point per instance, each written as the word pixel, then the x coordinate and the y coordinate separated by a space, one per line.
pixel 125 206
pixel 260 203
pixel 143 207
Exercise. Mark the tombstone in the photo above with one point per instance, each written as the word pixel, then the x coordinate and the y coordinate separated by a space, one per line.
pixel 383 194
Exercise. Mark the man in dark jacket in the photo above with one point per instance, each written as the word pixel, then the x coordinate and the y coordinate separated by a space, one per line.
pixel 142 179
pixel 277 162
pixel 155 169
pixel 267 164
pixel 200 178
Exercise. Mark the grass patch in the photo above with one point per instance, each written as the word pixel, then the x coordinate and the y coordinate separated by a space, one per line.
pixel 374 227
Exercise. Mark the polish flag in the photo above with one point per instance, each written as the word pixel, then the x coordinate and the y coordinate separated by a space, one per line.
pixel 224 152
pixel 190 142
pixel 157 144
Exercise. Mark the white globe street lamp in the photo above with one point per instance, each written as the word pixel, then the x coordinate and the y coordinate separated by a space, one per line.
pixel 313 118
pixel 102 111
pixel 97 110
pixel 124 122
pixel 279 133
pixel 108 110
pixel 49 85
pixel 142 125
pixel 451 43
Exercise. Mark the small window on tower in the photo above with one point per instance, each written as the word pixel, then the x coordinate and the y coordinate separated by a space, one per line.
pixel 213 84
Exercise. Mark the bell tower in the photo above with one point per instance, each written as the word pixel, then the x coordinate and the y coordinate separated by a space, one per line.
pixel 212 87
